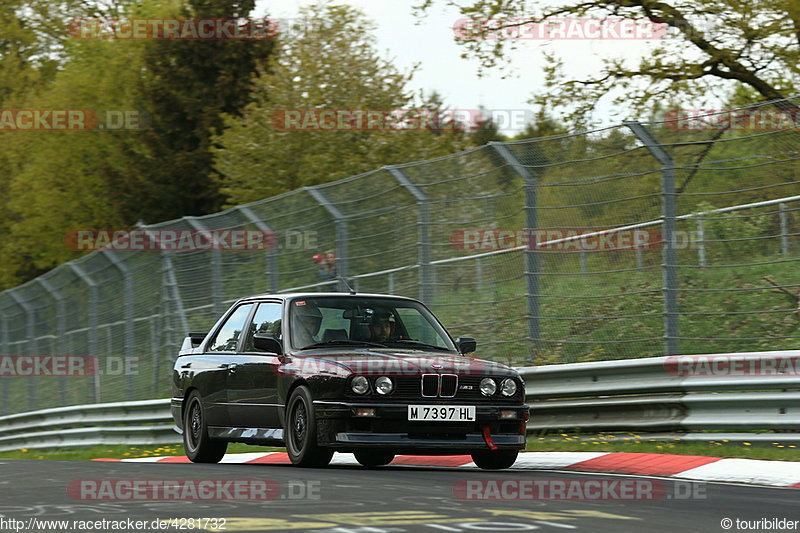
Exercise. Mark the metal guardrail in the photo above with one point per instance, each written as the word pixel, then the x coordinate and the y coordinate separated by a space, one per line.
pixel 661 395
pixel 651 395
pixel 136 423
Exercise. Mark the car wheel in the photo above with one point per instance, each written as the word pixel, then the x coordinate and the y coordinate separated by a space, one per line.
pixel 495 460
pixel 300 432
pixel 372 458
pixel 200 448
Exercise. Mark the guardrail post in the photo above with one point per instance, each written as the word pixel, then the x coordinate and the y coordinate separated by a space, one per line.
pixel 272 252
pixel 531 254
pixel 216 266
pixel 31 333
pixel 78 271
pixel 670 275
pixel 784 229
pixel 583 261
pixel 341 233
pixel 128 312
pixel 61 327
pixel 426 287
pixel 701 241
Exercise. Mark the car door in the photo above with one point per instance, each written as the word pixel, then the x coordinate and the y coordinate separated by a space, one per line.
pixel 218 360
pixel 253 384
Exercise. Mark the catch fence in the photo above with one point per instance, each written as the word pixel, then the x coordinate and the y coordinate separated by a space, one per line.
pixel 638 240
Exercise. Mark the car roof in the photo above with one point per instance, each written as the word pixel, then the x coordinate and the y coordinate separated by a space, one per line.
pixel 292 295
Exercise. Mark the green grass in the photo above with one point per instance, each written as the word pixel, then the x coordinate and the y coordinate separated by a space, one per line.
pixel 87 453
pixel 559 442
pixel 733 308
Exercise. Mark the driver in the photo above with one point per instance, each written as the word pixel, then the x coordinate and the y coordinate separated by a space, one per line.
pixel 381 326
pixel 306 323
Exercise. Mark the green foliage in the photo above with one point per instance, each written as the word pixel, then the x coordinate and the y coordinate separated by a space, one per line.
pixel 711 47
pixel 328 63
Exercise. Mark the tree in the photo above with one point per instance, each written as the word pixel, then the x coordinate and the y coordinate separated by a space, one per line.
pixel 711 48
pixel 54 182
pixel 187 87
pixel 327 63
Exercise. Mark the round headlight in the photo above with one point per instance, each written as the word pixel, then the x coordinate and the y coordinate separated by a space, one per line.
pixel 509 387
pixel 383 385
pixel 360 385
pixel 488 386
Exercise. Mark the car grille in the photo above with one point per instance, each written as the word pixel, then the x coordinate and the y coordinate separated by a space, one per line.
pixel 426 387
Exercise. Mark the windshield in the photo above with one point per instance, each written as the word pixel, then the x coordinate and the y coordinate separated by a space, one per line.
pixel 317 322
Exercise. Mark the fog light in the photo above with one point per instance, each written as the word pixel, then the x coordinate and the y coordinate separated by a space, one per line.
pixel 360 385
pixel 505 414
pixel 365 411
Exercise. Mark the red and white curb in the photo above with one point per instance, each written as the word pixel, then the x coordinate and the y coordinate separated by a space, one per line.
pixel 759 472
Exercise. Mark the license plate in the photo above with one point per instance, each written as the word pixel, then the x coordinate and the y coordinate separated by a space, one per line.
pixel 445 413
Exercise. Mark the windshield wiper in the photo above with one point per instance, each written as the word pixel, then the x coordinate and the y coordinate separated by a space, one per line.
pixel 417 344
pixel 342 342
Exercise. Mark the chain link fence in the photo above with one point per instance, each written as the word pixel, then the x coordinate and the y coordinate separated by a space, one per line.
pixel 639 240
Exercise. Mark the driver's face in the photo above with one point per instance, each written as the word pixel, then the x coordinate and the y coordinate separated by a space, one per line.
pixel 381 330
pixel 310 324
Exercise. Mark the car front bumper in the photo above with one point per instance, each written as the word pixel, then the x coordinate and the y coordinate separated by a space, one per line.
pixel 338 426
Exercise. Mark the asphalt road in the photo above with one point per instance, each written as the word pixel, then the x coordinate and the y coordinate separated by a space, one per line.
pixel 394 499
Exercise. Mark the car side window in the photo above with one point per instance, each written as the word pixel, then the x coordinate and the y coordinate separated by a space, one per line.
pixel 228 335
pixel 267 319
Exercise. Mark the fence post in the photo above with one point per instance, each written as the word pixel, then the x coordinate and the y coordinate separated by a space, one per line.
pixel 784 230
pixel 78 271
pixel 61 328
pixel 670 274
pixel 216 266
pixel 341 233
pixel 426 287
pixel 128 313
pixel 531 253
pixel 272 251
pixel 701 241
pixel 30 320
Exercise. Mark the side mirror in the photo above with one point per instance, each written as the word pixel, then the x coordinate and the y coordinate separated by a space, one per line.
pixel 466 345
pixel 268 343
pixel 197 338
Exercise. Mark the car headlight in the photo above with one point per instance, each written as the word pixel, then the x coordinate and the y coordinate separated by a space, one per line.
pixel 383 385
pixel 488 386
pixel 508 387
pixel 360 385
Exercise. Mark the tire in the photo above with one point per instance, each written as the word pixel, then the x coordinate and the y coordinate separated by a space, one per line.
pixel 300 431
pixel 373 458
pixel 495 460
pixel 200 448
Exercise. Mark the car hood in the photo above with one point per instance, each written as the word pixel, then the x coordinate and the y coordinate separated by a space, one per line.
pixel 396 363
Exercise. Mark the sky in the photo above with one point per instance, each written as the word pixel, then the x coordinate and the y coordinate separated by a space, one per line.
pixel 429 41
